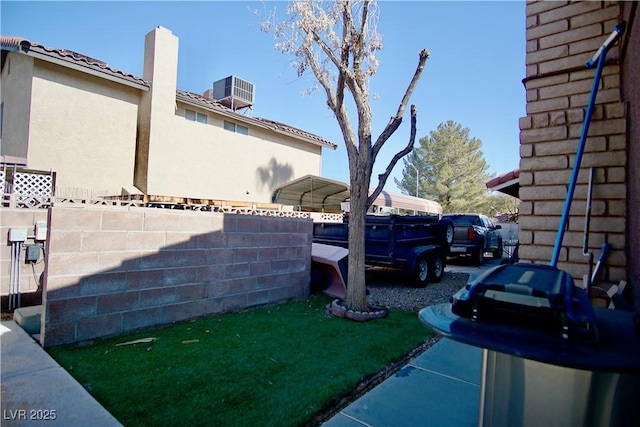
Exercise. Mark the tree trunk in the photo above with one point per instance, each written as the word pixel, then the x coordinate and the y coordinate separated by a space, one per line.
pixel 356 288
pixel 353 55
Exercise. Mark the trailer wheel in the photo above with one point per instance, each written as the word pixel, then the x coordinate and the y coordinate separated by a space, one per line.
pixel 436 267
pixel 421 274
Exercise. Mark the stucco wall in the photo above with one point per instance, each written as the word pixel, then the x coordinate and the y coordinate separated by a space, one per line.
pixel 16 98
pixel 113 270
pixel 206 161
pixel 84 128
pixel 100 136
pixel 561 37
pixel 183 158
pixel 157 107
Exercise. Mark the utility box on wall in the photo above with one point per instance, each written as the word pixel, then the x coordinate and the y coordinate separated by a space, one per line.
pixel 41 230
pixel 17 234
pixel 17 227
pixel 32 253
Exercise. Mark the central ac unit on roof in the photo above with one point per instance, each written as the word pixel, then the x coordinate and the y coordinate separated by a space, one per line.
pixel 233 92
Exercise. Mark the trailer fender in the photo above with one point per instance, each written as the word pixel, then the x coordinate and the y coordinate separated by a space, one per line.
pixel 421 254
pixel 415 252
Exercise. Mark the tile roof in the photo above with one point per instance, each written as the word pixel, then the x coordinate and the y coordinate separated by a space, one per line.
pixel 211 104
pixel 205 102
pixel 504 178
pixel 506 183
pixel 11 43
pixel 291 129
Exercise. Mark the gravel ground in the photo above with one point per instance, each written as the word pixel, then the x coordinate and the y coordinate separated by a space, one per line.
pixel 388 288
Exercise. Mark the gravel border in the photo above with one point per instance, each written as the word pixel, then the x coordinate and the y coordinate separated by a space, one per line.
pixel 388 288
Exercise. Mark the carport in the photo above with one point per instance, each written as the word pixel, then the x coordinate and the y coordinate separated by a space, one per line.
pixel 317 194
pixel 508 183
pixel 312 193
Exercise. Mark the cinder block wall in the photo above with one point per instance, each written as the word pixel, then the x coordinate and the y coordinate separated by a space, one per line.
pixel 114 270
pixel 561 37
pixel 29 274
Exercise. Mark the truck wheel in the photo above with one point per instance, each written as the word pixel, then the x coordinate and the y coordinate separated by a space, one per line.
pixel 497 254
pixel 436 267
pixel 421 273
pixel 478 257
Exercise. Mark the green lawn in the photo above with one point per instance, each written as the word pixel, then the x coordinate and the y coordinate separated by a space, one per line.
pixel 277 365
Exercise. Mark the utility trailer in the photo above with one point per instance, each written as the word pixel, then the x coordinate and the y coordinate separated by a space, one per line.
pixel 417 245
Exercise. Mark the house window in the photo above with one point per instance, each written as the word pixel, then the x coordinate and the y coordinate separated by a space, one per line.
pixel 230 126
pixel 194 116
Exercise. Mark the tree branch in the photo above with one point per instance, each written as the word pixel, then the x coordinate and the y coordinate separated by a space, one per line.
pixel 336 105
pixel 395 121
pixel 322 79
pixel 355 79
pixel 382 178
pixel 327 50
pixel 365 17
pixel 344 59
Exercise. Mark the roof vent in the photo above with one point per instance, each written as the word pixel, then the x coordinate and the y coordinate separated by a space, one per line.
pixel 233 93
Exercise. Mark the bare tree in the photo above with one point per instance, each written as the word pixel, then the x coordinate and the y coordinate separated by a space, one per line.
pixel 338 41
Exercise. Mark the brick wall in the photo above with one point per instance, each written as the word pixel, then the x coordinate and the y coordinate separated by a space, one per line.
pixel 561 37
pixel 114 270
pixel 631 94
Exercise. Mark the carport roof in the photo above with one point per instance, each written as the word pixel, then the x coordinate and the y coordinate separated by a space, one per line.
pixel 312 191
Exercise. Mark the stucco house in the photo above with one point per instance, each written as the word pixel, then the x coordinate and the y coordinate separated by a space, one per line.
pixel 106 132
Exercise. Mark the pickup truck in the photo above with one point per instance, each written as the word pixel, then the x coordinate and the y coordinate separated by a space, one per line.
pixel 474 234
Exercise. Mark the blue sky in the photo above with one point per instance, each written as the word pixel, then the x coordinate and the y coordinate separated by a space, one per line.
pixel 473 75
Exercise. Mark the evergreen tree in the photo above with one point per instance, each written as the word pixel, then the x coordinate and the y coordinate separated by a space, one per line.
pixel 452 169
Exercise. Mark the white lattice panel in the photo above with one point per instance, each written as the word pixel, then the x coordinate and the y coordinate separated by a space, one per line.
pixel 33 184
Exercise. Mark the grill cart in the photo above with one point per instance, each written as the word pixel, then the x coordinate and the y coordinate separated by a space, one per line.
pixel 549 357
